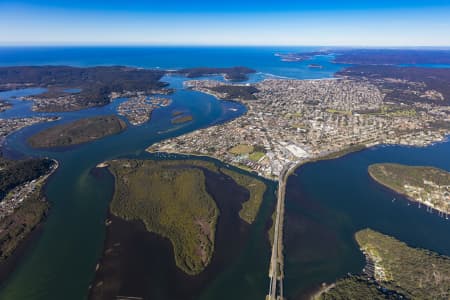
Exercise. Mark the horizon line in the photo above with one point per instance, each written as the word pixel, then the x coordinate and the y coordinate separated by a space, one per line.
pixel 170 45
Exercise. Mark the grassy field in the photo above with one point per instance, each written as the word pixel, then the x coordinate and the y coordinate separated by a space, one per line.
pixel 415 273
pixel 171 200
pixel 256 187
pixel 241 149
pixel 78 132
pixel 256 156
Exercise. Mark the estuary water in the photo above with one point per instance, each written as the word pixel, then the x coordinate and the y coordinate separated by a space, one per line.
pixel 326 202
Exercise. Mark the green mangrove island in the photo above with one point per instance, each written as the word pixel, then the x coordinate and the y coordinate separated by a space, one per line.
pixel 256 189
pixel 397 270
pixel 78 132
pixel 427 185
pixel 171 199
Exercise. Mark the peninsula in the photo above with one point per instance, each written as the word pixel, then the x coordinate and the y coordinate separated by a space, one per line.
pixel 77 132
pixel 426 185
pixel 138 109
pixel 394 269
pixel 23 205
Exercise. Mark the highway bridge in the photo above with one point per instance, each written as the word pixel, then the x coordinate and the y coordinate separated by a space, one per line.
pixel 276 272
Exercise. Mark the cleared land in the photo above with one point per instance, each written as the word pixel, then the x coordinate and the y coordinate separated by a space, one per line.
pixel 241 149
pixel 427 185
pixel 78 132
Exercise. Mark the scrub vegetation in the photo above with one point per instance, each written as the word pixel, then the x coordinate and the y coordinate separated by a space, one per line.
pixel 256 188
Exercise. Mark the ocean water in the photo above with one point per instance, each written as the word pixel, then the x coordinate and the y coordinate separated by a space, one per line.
pixel 262 59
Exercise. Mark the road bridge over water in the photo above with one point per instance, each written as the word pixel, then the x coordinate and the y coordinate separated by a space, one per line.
pixel 276 269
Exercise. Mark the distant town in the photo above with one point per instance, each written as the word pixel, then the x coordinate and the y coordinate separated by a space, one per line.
pixel 298 120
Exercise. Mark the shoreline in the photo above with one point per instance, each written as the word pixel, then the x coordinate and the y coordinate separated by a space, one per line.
pixel 190 285
pixel 10 264
pixel 408 198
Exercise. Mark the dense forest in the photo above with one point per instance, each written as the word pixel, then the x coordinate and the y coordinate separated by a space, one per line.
pixel 233 73
pixel 401 272
pixel 17 172
pixel 78 132
pixel 356 288
pixel 415 273
pixel 242 92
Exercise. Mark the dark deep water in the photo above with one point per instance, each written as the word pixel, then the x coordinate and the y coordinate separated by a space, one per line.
pixel 326 201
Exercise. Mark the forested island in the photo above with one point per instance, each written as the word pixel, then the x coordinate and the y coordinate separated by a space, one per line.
pixel 426 185
pixel 232 74
pixel 78 132
pixel 94 86
pixel 395 270
pixel 171 199
pixel 22 205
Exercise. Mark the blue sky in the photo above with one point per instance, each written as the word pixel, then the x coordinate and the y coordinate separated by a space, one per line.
pixel 232 22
